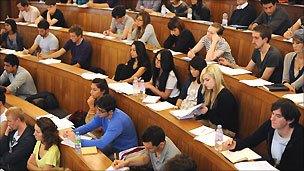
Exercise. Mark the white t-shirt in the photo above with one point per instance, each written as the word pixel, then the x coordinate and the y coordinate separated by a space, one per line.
pixel 278 146
pixel 172 84
pixel 31 15
pixel 2 116
pixel 48 43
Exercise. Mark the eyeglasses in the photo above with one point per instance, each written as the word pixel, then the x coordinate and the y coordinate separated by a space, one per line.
pixel 101 110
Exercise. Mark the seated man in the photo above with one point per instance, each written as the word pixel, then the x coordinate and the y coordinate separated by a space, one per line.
pixel 121 23
pixel 243 15
pixel 159 149
pixel 119 131
pixel 273 16
pixel 17 143
pixel 52 15
pixel 46 41
pixel 28 13
pixel 148 6
pixel 81 49
pixel 21 81
pixel 265 57
pixel 181 162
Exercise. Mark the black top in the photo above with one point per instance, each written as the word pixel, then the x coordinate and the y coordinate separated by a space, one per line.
pixel 17 159
pixel 80 53
pixel 6 43
pixel 292 157
pixel 200 12
pixel 273 58
pixel 243 17
pixel 184 92
pixel 182 43
pixel 279 21
pixel 292 78
pixel 57 15
pixel 224 111
pixel 146 76
pixel 180 11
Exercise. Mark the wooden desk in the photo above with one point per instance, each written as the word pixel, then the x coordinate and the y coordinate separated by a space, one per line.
pixel 69 158
pixel 98 20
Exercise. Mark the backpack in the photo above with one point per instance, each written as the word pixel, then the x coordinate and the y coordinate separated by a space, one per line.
pixel 45 100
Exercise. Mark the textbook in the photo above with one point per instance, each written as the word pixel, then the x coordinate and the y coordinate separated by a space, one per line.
pixel 276 87
pixel 242 155
pixel 186 113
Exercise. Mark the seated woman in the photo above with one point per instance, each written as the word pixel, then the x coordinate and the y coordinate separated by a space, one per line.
pixel 10 38
pixel 216 46
pixel 177 8
pixel 165 82
pixel 99 87
pixel 138 66
pixel 46 154
pixel 293 72
pixel 148 6
pixel 143 30
pixel 180 38
pixel 3 109
pixel 191 93
pixel 297 25
pixel 199 10
pixel 220 106
pixel 283 134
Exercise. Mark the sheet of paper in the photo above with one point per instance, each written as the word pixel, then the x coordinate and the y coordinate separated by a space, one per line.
pixel 121 169
pixel 186 58
pixel 7 51
pixel 202 130
pixel 256 82
pixel 255 165
pixel 68 142
pixel 128 42
pixel 122 88
pixel 296 98
pixel 160 106
pixel 151 99
pixel 21 23
pixel 32 25
pixel 231 71
pixel 242 155
pixel 55 28
pixel 109 37
pixel 50 61
pixel 186 113
pixel 92 76
pixel 288 40
pixel 208 139
pixel 94 34
pixel 175 53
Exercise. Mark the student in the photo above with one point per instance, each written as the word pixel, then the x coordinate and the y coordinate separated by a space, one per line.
pixel 81 49
pixel 273 16
pixel 46 154
pixel 10 37
pixel 191 93
pixel 111 3
pixel 148 6
pixel 216 45
pixel 180 39
pixel 297 25
pixel 138 66
pixel 158 150
pixel 52 15
pixel 143 30
pixel 265 57
pixel 27 12
pixel 220 106
pixel 119 131
pixel 121 23
pixel 21 81
pixel 18 141
pixel 164 82
pixel 200 11
pixel 177 8
pixel 3 109
pixel 181 162
pixel 283 134
pixel 293 73
pixel 45 40
pixel 243 15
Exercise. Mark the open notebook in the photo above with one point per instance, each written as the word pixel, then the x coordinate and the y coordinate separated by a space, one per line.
pixel 242 155
pixel 186 113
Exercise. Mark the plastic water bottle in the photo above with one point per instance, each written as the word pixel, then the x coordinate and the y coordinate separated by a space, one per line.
pixel 136 86
pixel 78 143
pixel 218 138
pixel 225 19
pixel 142 88
pixel 189 14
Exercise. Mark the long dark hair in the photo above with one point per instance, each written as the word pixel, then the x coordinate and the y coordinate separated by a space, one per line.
pixel 198 63
pixel 49 131
pixel 166 65
pixel 146 20
pixel 142 56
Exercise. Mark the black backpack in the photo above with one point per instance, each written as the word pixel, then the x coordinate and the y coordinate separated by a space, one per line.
pixel 45 100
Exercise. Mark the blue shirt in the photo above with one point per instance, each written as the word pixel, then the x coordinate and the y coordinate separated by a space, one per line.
pixel 119 132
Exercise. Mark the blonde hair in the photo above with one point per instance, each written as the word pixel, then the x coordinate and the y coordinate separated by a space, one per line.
pixel 15 112
pixel 214 72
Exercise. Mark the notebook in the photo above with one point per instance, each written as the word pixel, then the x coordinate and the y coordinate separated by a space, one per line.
pixel 242 155
pixel 276 87
pixel 186 114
